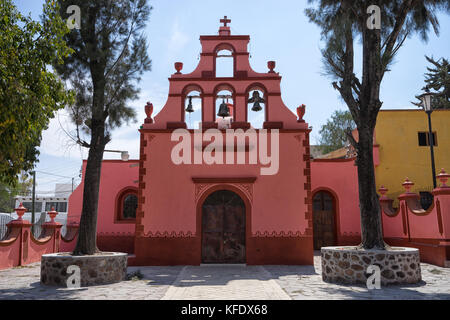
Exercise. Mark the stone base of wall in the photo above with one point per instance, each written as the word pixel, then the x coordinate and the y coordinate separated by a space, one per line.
pixel 104 268
pixel 116 243
pixel 349 265
pixel 161 251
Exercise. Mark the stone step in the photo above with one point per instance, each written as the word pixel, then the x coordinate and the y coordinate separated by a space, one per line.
pixel 447 264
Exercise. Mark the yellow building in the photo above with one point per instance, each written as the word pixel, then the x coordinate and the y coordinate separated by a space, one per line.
pixel 404 151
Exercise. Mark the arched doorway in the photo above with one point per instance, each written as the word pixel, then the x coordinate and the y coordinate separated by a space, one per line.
pixel 223 228
pixel 324 220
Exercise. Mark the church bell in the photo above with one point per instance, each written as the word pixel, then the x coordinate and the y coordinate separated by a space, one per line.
pixel 223 110
pixel 256 106
pixel 256 100
pixel 189 108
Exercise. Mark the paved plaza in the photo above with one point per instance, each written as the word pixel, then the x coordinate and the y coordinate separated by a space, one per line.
pixel 233 282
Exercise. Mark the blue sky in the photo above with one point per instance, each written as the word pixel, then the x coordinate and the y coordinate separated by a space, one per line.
pixel 279 31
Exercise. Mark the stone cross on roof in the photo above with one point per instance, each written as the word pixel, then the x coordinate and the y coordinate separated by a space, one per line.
pixel 225 20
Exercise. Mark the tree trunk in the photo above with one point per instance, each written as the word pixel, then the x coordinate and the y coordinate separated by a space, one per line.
pixel 87 236
pixel 369 105
pixel 371 229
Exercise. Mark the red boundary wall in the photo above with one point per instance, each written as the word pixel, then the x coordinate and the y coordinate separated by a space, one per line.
pixel 411 226
pixel 19 247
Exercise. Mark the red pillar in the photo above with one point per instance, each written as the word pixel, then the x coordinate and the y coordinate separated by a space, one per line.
pixel 22 229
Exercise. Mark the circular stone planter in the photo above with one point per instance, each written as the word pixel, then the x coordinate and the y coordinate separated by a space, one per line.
pixel 348 265
pixel 102 268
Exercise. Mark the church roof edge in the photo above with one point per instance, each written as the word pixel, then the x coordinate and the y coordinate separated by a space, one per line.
pixel 220 37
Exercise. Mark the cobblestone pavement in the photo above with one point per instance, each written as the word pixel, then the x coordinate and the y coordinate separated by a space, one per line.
pixel 224 282
pixel 23 283
pixel 305 283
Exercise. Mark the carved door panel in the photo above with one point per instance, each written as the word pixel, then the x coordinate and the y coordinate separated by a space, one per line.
pixel 223 228
pixel 323 220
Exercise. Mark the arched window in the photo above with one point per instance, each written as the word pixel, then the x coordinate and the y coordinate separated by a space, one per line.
pixel 129 206
pixel 126 206
pixel 224 64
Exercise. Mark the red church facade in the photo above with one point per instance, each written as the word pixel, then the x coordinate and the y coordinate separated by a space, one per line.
pixel 221 212
pixel 192 212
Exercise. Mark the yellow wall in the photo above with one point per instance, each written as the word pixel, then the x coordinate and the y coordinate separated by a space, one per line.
pixel 400 153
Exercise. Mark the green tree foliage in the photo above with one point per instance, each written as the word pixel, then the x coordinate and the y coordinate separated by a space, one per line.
pixel 333 134
pixel 342 22
pixel 30 92
pixel 5 198
pixel 437 81
pixel 23 187
pixel 109 58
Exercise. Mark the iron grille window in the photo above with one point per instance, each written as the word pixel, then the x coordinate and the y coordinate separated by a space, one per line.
pixel 130 204
pixel 424 139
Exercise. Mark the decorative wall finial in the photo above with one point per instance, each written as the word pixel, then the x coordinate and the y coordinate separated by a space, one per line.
pixel 407 185
pixel 271 65
pixel 383 192
pixel 52 213
pixel 443 177
pixel 178 67
pixel 20 211
pixel 301 110
pixel 148 112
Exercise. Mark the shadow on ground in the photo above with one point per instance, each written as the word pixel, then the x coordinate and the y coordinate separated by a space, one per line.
pixel 37 291
pixel 299 282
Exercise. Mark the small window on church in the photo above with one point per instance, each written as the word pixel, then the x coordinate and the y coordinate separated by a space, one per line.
pixel 129 206
pixel 126 206
pixel 224 64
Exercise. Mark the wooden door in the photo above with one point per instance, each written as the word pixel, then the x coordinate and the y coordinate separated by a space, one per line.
pixel 223 228
pixel 324 223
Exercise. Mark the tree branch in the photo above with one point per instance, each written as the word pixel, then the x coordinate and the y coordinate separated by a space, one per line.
pixel 393 36
pixel 78 139
pixel 353 142
pixel 338 71
pixel 125 46
pixel 349 81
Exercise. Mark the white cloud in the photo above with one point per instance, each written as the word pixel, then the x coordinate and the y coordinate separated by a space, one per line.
pixel 55 141
pixel 177 41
